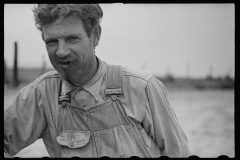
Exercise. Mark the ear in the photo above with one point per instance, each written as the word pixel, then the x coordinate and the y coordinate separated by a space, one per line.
pixel 96 35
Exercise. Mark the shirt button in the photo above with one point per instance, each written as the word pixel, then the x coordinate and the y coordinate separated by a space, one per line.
pixel 113 97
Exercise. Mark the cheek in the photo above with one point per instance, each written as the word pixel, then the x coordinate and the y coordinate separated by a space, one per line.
pixel 83 51
pixel 52 56
pixel 50 50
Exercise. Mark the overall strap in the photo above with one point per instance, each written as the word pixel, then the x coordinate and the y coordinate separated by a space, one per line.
pixel 114 82
pixel 113 90
pixel 63 97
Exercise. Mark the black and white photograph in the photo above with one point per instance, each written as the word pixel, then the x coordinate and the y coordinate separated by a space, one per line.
pixel 119 80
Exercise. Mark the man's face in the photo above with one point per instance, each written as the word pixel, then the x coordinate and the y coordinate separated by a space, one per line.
pixel 70 50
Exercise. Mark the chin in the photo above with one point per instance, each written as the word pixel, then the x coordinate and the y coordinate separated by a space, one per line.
pixel 61 73
pixel 65 76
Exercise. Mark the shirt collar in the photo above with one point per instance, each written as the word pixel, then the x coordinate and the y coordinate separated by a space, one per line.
pixel 93 86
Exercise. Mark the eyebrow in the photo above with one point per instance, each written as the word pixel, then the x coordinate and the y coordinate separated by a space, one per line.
pixel 65 36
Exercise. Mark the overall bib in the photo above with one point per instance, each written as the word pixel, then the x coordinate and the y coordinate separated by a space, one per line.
pixel 100 130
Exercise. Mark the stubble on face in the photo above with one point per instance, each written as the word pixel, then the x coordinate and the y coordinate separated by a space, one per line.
pixel 81 54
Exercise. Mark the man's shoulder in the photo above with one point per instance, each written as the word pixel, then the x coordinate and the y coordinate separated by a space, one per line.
pixel 50 75
pixel 136 74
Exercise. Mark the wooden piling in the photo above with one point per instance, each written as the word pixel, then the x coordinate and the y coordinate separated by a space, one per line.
pixel 15 69
pixel 5 72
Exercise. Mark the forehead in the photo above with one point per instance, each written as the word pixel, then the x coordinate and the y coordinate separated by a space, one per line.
pixel 61 27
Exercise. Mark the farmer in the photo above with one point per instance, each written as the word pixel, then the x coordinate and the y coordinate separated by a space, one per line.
pixel 87 108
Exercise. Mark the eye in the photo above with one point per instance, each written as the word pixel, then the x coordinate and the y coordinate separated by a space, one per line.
pixel 51 43
pixel 73 39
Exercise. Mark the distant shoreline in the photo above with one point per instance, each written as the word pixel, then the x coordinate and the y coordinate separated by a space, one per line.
pixel 199 84
pixel 27 75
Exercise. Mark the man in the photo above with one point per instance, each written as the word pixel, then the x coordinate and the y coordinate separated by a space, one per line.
pixel 87 108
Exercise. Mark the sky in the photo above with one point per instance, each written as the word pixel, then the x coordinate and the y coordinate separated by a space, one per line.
pixel 177 39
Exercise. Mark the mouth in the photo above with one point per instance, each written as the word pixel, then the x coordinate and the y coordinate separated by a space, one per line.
pixel 64 64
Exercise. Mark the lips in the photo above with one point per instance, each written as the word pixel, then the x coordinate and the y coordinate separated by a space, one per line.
pixel 64 63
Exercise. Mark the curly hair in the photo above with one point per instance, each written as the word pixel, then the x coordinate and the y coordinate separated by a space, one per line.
pixel 91 14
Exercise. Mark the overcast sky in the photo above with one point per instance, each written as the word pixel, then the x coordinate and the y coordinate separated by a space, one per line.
pixel 179 39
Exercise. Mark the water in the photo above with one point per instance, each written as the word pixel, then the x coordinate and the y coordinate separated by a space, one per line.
pixel 207 117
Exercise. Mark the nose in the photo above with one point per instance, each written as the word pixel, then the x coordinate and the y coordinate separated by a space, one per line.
pixel 63 50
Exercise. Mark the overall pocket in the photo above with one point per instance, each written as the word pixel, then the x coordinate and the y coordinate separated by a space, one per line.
pixel 75 143
pixel 74 139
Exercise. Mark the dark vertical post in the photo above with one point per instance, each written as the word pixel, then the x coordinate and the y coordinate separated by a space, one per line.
pixel 15 69
pixel 5 70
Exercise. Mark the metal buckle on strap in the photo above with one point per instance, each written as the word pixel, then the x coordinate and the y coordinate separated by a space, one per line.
pixel 113 77
pixel 113 93
pixel 117 91
pixel 63 98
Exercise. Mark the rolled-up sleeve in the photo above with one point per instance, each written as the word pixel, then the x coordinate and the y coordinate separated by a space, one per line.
pixel 161 122
pixel 24 120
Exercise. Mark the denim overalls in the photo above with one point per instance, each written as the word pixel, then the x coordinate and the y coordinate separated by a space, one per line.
pixel 100 130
